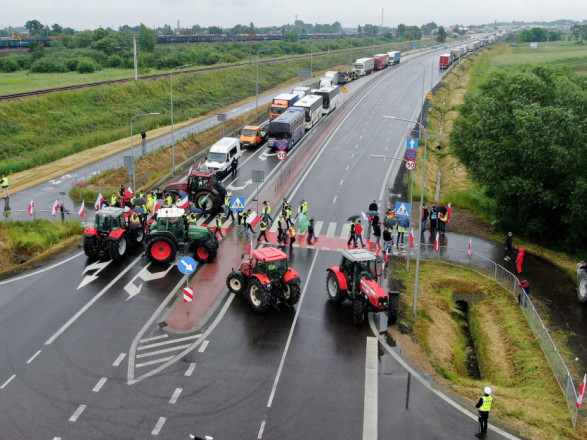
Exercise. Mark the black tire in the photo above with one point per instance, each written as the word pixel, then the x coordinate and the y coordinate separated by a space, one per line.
pixel 236 283
pixel 582 286
pixel 393 309
pixel 204 251
pixel 161 249
pixel 292 294
pixel 90 247
pixel 138 235
pixel 333 290
pixel 213 200
pixel 117 248
pixel 359 307
pixel 258 296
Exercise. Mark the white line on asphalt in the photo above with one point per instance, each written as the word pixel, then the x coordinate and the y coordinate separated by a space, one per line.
pixel 370 400
pixel 91 302
pixel 334 201
pixel 119 359
pixel 33 357
pixel 175 396
pixel 341 180
pixel 318 227
pixel 153 362
pixel 158 426
pixel 346 230
pixel 42 270
pixel 352 155
pixel 99 385
pixel 347 167
pixel 8 381
pixel 291 330
pixel 56 438
pixel 171 341
pixel 261 429
pixel 154 338
pixel 203 346
pixel 80 409
pixel 165 350
pixel 331 230
pixel 190 369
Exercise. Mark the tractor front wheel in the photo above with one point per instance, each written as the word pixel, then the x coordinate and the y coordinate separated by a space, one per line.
pixel 138 235
pixel 359 313
pixel 292 294
pixel 258 296
pixel 335 294
pixel 161 250
pixel 236 282
pixel 90 247
pixel 117 248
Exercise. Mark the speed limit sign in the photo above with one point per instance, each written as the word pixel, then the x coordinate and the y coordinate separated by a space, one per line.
pixel 410 165
pixel 281 155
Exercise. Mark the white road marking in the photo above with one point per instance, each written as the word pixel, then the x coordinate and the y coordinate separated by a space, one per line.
pixel 155 338
pixel 346 230
pixel 261 429
pixel 153 362
pixel 370 400
pixel 317 228
pixel 347 167
pixel 119 359
pixel 291 330
pixel 190 369
pixel 158 426
pixel 334 201
pixel 203 346
pixel 91 302
pixel 331 230
pixel 99 385
pixel 78 412
pixel 7 382
pixel 42 270
pixel 341 180
pixel 175 396
pixel 33 357
pixel 165 350
pixel 171 341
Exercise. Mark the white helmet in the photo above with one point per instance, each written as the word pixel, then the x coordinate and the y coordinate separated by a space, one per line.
pixel 487 391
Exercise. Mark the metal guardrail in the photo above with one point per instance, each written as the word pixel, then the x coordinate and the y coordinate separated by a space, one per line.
pixel 509 282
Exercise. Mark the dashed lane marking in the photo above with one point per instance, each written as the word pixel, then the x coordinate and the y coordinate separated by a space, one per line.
pixel 33 357
pixel 203 346
pixel 157 429
pixel 7 382
pixel 119 359
pixel 190 369
pixel 99 385
pixel 78 412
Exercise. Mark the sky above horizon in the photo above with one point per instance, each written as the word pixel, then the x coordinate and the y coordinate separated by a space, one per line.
pixel 228 13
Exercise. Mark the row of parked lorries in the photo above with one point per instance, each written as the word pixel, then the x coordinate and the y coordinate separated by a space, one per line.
pixel 456 53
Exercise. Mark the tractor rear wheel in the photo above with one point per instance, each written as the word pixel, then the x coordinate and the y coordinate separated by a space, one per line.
pixel 90 247
pixel 292 294
pixel 209 199
pixel 258 296
pixel 161 249
pixel 117 248
pixel 335 294
pixel 235 281
pixel 204 251
pixel 359 313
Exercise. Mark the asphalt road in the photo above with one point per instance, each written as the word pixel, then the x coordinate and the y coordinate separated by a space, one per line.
pixel 68 370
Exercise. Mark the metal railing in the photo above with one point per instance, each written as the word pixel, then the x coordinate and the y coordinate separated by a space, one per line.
pixel 509 282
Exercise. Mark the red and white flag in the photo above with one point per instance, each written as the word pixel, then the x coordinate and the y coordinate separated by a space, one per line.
pixel 99 202
pixel 437 242
pixel 253 219
pixel 582 391
pixel 156 206
pixel 55 209
pixel 31 208
pixel 82 209
pixel 470 250
pixel 183 203
pixel 448 209
pixel 412 237
pixel 130 191
pixel 188 294
pixel 251 249
pixel 366 217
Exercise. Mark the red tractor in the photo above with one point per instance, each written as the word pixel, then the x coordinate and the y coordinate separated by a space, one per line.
pixel 355 279
pixel 204 190
pixel 266 280
pixel 111 234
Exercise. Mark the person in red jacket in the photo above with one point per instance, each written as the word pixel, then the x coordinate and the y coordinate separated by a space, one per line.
pixel 520 259
pixel 359 233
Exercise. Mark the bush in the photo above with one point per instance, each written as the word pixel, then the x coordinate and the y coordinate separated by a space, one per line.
pixel 72 64
pixel 8 65
pixel 49 65
pixel 86 65
pixel 115 61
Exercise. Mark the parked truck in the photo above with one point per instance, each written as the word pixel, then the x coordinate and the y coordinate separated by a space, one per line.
pixel 301 91
pixel 364 66
pixel 446 59
pixel 337 77
pixel 394 57
pixel 253 135
pixel 281 103
pixel 381 61
pixel 286 129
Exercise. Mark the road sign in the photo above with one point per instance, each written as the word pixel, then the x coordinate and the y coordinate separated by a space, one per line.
pixel 187 265
pixel 281 155
pixel 410 165
pixel 412 144
pixel 402 209
pixel 258 176
pixel 188 294
pixel 130 171
pixel 344 89
pixel 221 117
pixel 411 154
pixel 237 203
pixel 281 144
pixel 414 46
pixel 429 95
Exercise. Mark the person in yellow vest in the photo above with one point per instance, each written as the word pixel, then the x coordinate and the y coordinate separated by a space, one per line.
pixel 192 217
pixel 5 185
pixel 287 214
pixel 265 213
pixel 291 233
pixel 400 234
pixel 227 211
pixel 484 406
pixel 141 194
pixel 150 202
pixel 168 201
pixel 135 217
pixel 218 227
pixel 263 230
pixel 442 219
pixel 113 199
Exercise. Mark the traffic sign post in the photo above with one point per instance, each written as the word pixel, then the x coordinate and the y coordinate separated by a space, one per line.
pixel 410 165
pixel 237 203
pixel 402 209
pixel 281 155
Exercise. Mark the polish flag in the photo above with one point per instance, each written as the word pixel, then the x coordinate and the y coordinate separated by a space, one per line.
pixel 470 250
pixel 250 249
pixel 366 217
pixel 156 207
pixel 253 219
pixel 99 202
pixel 55 209
pixel 412 237
pixel 582 391
pixel 130 191
pixel 183 203
pixel 82 209
pixel 31 208
pixel 437 242
pixel 448 209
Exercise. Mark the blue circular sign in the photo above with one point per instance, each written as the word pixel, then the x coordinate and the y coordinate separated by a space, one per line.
pixel 281 144
pixel 187 265
pixel 411 154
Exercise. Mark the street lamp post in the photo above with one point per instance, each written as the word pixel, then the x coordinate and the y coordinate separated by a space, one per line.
pixel 421 205
pixel 172 130
pixel 257 88
pixel 132 147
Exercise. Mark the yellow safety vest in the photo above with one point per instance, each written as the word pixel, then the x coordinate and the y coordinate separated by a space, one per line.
pixel 169 201
pixel 292 232
pixel 227 201
pixel 262 226
pixel 267 209
pixel 218 222
pixel 487 401
pixel 5 182
pixel 113 199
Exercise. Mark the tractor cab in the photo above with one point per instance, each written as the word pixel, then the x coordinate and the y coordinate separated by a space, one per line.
pixel 109 219
pixel 357 264
pixel 270 262
pixel 201 179
pixel 170 220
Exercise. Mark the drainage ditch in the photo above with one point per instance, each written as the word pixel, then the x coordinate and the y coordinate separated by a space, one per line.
pixel 463 318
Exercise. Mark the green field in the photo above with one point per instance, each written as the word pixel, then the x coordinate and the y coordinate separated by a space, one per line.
pixel 560 52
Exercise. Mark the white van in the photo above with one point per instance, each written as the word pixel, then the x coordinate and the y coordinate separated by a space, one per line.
pixel 222 153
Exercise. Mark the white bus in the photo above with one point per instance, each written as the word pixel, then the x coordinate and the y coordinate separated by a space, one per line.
pixel 312 105
pixel 330 96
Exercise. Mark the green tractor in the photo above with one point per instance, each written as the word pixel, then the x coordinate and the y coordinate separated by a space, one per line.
pixel 170 231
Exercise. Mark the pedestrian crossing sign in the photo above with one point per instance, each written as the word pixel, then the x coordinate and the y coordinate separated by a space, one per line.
pixel 237 203
pixel 402 209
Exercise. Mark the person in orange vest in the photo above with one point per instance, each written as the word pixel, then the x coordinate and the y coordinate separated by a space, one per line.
pixel 291 233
